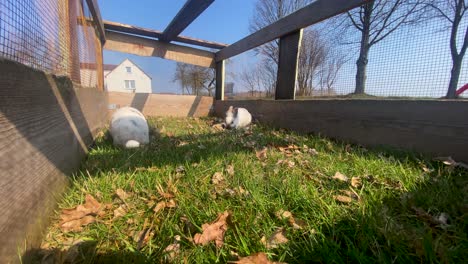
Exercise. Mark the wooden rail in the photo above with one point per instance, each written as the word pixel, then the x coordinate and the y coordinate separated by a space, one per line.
pixel 304 17
pixel 154 48
pixel 119 27
pixel 288 29
pixel 96 13
pixel 189 12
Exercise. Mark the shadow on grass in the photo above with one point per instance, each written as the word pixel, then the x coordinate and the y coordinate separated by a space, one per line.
pixel 83 252
pixel 402 227
pixel 395 226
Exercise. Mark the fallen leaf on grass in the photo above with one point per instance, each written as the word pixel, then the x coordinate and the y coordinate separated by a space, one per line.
pixel 165 194
pixel 218 127
pixel 74 219
pixel 214 231
pixel 122 195
pixel 452 163
pixel 230 170
pixel 257 258
pixel 142 237
pixel 163 205
pixel 343 198
pixel 173 249
pixel 120 211
pixel 293 222
pixel 277 238
pixel 356 182
pixel 290 163
pixel 217 178
pixel 261 154
pixel 77 224
pixel 339 176
pixel 440 220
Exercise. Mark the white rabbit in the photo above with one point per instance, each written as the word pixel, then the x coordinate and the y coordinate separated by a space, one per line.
pixel 129 128
pixel 237 118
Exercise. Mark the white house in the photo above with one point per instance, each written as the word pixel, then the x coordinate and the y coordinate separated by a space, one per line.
pixel 126 77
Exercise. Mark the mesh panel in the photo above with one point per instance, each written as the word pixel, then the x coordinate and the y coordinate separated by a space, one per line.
pixel 53 36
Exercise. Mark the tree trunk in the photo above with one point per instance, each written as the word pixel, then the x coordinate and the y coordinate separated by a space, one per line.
pixel 361 74
pixel 454 76
pixel 361 63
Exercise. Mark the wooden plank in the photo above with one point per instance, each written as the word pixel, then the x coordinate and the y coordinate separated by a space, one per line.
pixel 289 48
pixel 96 13
pixel 163 104
pixel 187 14
pixel 119 27
pixel 425 126
pixel 304 17
pixel 153 48
pixel 220 72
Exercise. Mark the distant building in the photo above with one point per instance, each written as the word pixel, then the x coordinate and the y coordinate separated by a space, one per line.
pixel 126 77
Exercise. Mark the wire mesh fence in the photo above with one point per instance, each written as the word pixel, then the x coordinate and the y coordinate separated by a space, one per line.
pixel 54 36
pixel 412 59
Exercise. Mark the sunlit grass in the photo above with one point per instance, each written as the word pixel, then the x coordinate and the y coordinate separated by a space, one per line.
pixel 381 224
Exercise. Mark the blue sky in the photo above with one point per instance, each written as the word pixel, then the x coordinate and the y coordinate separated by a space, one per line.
pixel 224 21
pixel 408 63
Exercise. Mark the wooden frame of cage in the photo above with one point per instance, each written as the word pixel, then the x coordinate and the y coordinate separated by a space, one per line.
pixel 148 42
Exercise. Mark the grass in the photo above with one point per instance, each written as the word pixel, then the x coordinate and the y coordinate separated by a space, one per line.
pixel 391 221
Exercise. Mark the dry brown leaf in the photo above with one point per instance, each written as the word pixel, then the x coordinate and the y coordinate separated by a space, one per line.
pixel 77 224
pixel 142 237
pixel 120 211
pixel 73 219
pixel 313 152
pixel 343 198
pixel 261 154
pixel 356 182
pixel 218 127
pixel 293 222
pixel 162 205
pixel 214 231
pixel 217 178
pixel 451 162
pixel 122 195
pixel 275 239
pixel 230 170
pixel 257 258
pixel 339 176
pixel 173 250
pixel 164 194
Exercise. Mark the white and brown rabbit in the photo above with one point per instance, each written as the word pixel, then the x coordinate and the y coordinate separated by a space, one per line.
pixel 237 118
pixel 129 128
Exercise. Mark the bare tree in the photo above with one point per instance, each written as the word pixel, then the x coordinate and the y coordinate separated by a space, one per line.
pixel 312 53
pixel 329 71
pixel 251 80
pixel 311 56
pixel 453 11
pixel 375 21
pixel 194 79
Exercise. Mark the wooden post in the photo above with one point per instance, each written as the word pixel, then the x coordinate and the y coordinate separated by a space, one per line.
pixel 289 48
pixel 219 94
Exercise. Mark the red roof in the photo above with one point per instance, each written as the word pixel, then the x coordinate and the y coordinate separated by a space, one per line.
pixel 92 66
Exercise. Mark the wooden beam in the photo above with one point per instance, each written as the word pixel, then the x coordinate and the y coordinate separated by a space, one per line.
pixel 289 48
pixel 187 14
pixel 153 48
pixel 119 27
pixel 304 17
pixel 220 71
pixel 96 13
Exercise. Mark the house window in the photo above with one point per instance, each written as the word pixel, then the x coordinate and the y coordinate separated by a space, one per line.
pixel 130 84
pixel 128 69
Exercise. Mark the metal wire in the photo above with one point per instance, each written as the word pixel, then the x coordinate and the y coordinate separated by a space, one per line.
pixel 53 36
